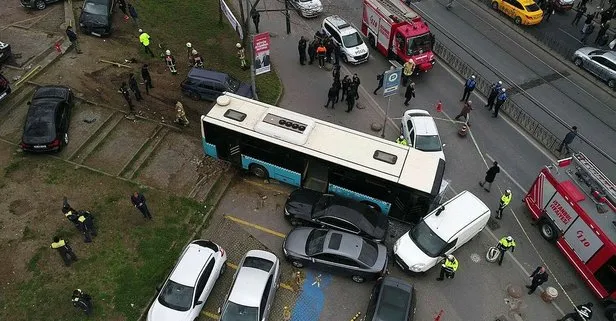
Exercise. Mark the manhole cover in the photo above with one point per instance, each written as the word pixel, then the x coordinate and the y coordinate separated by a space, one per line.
pixel 475 257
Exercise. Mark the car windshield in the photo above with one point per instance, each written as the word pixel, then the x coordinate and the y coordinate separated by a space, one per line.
pixel 258 263
pixel 315 242
pixel 352 40
pixel 232 84
pixel 369 253
pixel 393 305
pixel 39 128
pixel 429 143
pixel 427 240
pixel 419 45
pixel 532 7
pixel 95 8
pixel 238 312
pixel 597 52
pixel 176 296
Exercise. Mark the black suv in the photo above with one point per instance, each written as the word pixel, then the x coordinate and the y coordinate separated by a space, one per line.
pixel 95 17
pixel 38 4
pixel 391 299
pixel 209 84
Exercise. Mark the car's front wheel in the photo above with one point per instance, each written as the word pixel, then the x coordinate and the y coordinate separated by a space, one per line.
pixel 358 279
pixel 517 20
pixel 495 5
pixel 40 4
pixel 297 264
pixel 611 83
pixel 578 62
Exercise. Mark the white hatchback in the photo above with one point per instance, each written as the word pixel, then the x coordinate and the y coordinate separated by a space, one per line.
pixel 353 47
pixel 419 130
pixel 308 8
pixel 184 293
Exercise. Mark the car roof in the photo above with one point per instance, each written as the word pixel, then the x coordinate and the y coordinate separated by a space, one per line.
pixel 526 2
pixel 458 212
pixel 423 123
pixel 389 301
pixel 250 282
pixel 190 264
pixel 340 24
pixel 359 214
pixel 346 244
pixel 207 74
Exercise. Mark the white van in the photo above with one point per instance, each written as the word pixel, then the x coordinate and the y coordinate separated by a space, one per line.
pixel 441 232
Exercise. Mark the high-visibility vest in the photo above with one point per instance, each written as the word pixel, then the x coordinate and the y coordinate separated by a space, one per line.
pixel 58 244
pixel 402 141
pixel 505 199
pixel 81 219
pixel 409 67
pixel 453 265
pixel 144 38
pixel 506 244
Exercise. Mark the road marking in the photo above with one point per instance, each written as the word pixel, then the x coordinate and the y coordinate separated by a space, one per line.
pixel 570 35
pixel 231 265
pixel 210 315
pixel 255 226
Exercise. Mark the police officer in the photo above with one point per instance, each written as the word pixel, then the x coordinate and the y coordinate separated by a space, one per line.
pixel 355 84
pixel 351 98
pixel 469 86
pixel 70 213
pixel 346 83
pixel 241 54
pixel 448 268
pixel 144 38
pixel 312 51
pixel 336 72
pixel 503 246
pixel 86 225
pixel 65 251
pixel 402 141
pixel 504 201
pixel 331 96
pixel 337 86
pixel 582 313
pixel 500 100
pixel 494 90
pixel 301 47
pixel 82 301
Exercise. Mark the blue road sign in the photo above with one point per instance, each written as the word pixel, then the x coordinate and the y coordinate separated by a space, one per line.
pixel 392 82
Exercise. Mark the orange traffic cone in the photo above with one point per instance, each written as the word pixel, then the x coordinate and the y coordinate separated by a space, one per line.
pixel 439 106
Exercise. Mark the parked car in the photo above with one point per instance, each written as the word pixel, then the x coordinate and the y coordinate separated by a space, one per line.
pixel 5 51
pixel 190 283
pixel 441 232
pixel 48 119
pixel 420 131
pixel 96 17
pixel 308 207
pixel 391 299
pixel 352 46
pixel 602 63
pixel 5 87
pixel 562 5
pixel 254 288
pixel 209 84
pixel 525 12
pixel 308 8
pixel 38 4
pixel 337 252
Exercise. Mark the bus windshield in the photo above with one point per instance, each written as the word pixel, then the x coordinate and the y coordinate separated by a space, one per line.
pixel 419 45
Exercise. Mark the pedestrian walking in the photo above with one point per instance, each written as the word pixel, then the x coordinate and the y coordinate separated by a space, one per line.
pixel 133 14
pixel 138 201
pixel 582 312
pixel 578 15
pixel 351 99
pixel 602 30
pixel 72 37
pixel 549 11
pixel 448 268
pixel 331 97
pixel 180 115
pixel 337 53
pixel 82 301
pixel 505 244
pixel 494 90
pixel 409 93
pixel 469 86
pixel 504 201
pixel 538 277
pixel 301 47
pixel 144 38
pixel 466 109
pixel 407 71
pixel 568 140
pixel 321 52
pixel 86 225
pixel 122 5
pixel 379 78
pixel 125 93
pixel 500 100
pixel 147 80
pixel 312 51
pixel 329 46
pixel 336 72
pixel 65 251
pixel 241 55
pixel 170 62
pixel 134 87
pixel 355 82
pixel 490 176
pixel 346 83
pixel 337 84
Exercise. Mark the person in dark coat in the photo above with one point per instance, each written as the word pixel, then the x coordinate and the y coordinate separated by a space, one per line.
pixel 312 51
pixel 351 99
pixel 301 47
pixel 490 176
pixel 72 37
pixel 466 109
pixel 355 85
pixel 65 251
pixel 331 96
pixel 568 140
pixel 346 83
pixel 138 201
pixel 500 100
pixel 601 32
pixel 337 53
pixel 494 90
pixel 133 14
pixel 409 93
pixel 549 10
pixel 126 94
pixel 122 5
pixel 337 85
pixel 538 277
pixel 147 80
pixel 336 72
pixel 329 45
pixel 132 83
pixel 380 79
pixel 578 15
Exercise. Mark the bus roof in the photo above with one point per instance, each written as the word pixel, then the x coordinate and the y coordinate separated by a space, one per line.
pixel 350 148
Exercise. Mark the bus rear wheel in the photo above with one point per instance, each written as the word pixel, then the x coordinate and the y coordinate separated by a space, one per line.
pixel 259 171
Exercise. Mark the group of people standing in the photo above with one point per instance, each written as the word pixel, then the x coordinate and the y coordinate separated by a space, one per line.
pixel 496 98
pixel 588 28
pixel 322 48
pixel 349 87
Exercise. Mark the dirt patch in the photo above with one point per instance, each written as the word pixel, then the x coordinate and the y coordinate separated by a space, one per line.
pixel 85 121
pixel 11 126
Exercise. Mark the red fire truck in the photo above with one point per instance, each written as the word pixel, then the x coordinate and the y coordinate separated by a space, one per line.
pixel 574 204
pixel 398 32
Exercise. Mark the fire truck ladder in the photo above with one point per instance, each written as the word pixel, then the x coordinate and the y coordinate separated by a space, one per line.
pixel 601 181
pixel 399 10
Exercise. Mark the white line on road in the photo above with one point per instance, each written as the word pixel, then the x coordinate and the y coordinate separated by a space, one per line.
pixel 570 35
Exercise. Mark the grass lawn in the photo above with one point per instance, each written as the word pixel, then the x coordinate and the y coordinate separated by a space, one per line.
pixel 176 22
pixel 120 269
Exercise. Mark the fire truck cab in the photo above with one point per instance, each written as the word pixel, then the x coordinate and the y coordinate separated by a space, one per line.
pixel 573 203
pixel 398 32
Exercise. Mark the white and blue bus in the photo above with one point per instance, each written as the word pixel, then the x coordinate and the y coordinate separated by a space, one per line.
pixel 276 143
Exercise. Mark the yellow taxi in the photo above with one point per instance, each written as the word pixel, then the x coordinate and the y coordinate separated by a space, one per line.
pixel 525 12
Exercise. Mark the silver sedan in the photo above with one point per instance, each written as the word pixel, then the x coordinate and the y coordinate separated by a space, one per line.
pixel 602 63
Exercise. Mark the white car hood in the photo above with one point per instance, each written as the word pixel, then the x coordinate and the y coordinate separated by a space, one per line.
pixel 310 5
pixel 408 251
pixel 159 312
pixel 358 50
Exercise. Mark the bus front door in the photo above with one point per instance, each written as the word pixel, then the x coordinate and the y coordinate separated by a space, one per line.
pixel 315 176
